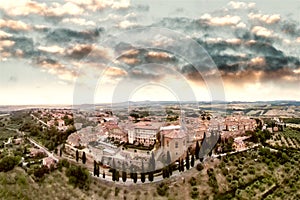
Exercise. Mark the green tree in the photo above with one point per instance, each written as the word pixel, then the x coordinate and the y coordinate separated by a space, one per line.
pixel 77 155
pixel 83 158
pixel 124 174
pixel 143 176
pixel 182 165
pixel 192 160
pixel 8 163
pixel 95 168
pixel 78 176
pixel 150 176
pixel 168 158
pixel 197 150
pixel 187 161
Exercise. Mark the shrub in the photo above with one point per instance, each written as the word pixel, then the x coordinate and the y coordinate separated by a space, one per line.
pixel 193 181
pixel 78 176
pixel 199 167
pixel 8 163
pixel 194 193
pixel 162 189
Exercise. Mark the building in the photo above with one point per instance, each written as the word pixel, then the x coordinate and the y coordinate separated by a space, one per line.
pixel 143 132
pixel 174 139
pixel 48 162
pixel 115 132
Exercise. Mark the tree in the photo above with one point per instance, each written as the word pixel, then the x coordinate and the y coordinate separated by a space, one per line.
pixel 83 158
pixel 197 150
pixel 152 162
pixel 182 165
pixel 187 161
pixel 192 160
pixel 78 176
pixel 103 175
pixel 168 158
pixel 179 165
pixel 117 175
pixel 60 152
pixel 98 170
pixel 124 174
pixel 165 172
pixel 113 170
pixel 150 176
pixel 143 176
pixel 77 155
pixel 8 163
pixel 95 166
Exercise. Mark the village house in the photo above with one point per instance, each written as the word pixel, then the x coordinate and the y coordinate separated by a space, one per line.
pixel 173 139
pixel 115 132
pixel 48 162
pixel 143 132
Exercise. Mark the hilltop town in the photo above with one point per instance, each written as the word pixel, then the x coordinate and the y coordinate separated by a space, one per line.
pixel 142 144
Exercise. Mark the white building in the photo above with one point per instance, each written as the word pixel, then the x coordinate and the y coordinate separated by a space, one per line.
pixel 143 132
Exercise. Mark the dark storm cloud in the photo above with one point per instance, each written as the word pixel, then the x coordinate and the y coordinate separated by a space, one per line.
pixel 63 35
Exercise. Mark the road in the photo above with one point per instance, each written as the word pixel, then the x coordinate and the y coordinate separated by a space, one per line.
pixel 39 120
pixel 36 144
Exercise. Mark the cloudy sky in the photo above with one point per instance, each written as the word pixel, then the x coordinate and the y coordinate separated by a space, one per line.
pixel 85 51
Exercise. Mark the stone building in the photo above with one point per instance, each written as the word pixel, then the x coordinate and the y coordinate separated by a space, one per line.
pixel 143 132
pixel 174 139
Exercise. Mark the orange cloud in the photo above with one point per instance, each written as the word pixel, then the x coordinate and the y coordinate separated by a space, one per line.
pixel 52 49
pixel 159 55
pixel 3 34
pixel 258 61
pixel 226 20
pixel 6 43
pixel 262 31
pixel 16 25
pixel 269 19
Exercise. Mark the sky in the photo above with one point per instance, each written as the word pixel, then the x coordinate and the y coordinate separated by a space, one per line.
pixel 96 51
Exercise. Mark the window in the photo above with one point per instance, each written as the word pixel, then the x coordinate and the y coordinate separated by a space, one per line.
pixel 176 144
pixel 167 143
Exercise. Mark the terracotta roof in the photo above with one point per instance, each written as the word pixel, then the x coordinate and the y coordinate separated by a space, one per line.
pixel 175 133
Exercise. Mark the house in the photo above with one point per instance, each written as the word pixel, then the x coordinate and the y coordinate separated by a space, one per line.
pixel 36 152
pixel 48 162
pixel 115 132
pixel 143 132
pixel 174 139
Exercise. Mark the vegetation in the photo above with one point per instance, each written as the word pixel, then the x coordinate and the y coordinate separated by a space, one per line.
pixel 78 176
pixel 8 163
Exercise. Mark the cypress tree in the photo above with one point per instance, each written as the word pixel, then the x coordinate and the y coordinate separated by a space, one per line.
pixel 143 177
pixel 151 176
pixel 168 158
pixel 95 168
pixel 187 161
pixel 182 165
pixel 192 160
pixel 77 155
pixel 124 174
pixel 170 170
pixel 152 162
pixel 113 170
pixel 197 150
pixel 98 170
pixel 131 171
pixel 117 175
pixel 83 158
